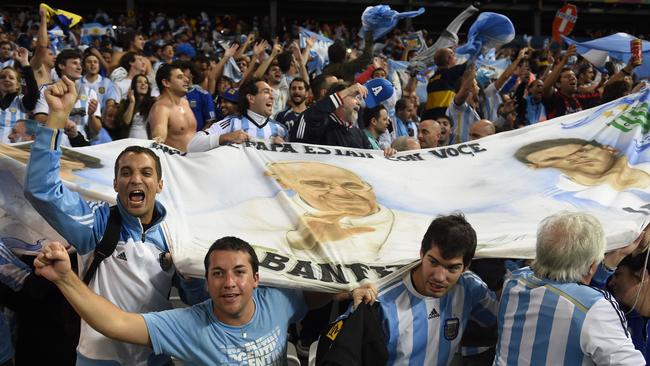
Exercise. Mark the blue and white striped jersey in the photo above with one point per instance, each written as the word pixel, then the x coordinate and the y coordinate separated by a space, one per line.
pixel 426 330
pixel 103 87
pixel 491 102
pixel 7 63
pixel 544 322
pixel 79 113
pixel 255 125
pixel 9 116
pixel 462 117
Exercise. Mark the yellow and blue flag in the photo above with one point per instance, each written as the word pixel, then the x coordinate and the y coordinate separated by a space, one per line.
pixel 64 19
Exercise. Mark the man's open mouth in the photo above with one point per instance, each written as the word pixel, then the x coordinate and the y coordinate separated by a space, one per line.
pixel 136 196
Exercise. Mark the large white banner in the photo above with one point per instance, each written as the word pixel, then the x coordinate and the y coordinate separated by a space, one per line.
pixel 325 218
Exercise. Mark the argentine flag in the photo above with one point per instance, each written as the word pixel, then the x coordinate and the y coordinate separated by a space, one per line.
pixel 617 46
pixel 318 52
pixel 90 30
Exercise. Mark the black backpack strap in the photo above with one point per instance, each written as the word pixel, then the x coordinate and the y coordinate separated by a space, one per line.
pixel 107 245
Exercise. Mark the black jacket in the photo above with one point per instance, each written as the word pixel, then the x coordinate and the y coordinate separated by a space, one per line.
pixel 319 125
pixel 358 339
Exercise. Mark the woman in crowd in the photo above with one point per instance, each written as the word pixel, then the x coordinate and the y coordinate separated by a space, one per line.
pixel 15 106
pixel 133 111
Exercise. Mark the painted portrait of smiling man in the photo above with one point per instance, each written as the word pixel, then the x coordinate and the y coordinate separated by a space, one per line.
pixel 334 205
pixel 320 210
pixel 591 170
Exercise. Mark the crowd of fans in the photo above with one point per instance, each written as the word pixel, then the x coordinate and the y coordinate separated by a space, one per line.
pixel 198 83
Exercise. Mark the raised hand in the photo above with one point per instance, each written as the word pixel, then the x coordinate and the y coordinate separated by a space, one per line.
pixel 60 97
pixel 53 262
pixel 22 55
pixel 259 48
pixel 230 51
pixel 92 106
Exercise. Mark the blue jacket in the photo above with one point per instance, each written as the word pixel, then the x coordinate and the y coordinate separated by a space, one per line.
pixel 131 277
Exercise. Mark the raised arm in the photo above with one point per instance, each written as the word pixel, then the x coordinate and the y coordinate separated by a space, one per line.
pixel 261 70
pixel 467 84
pixel 53 263
pixel 242 49
pixel 362 61
pixel 314 120
pixel 505 75
pixel 32 94
pixel 63 209
pixel 42 40
pixel 299 61
pixel 309 43
pixel 217 71
pixel 126 109
pixel 550 79
pixel 258 53
pixel 632 63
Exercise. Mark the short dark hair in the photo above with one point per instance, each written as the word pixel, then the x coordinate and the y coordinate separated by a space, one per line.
pixel 522 153
pixel 401 104
pixel 88 54
pixel 584 68
pixel 614 90
pixel 63 57
pixel 378 69
pixel 167 45
pixel 317 84
pixel 336 52
pixel 231 243
pixel 248 87
pixel 140 150
pixel 164 73
pixel 189 65
pixel 370 113
pixel 284 61
pixel 83 61
pixel 300 80
pixel 564 69
pixel 453 236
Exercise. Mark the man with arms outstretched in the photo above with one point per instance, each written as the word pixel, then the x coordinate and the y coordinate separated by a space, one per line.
pixel 241 323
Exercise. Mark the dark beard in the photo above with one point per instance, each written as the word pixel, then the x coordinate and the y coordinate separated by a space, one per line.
pixel 293 100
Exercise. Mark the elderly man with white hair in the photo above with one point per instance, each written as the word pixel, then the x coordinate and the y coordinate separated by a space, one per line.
pixel 549 315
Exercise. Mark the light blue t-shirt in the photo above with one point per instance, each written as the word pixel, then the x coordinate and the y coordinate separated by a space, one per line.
pixel 195 336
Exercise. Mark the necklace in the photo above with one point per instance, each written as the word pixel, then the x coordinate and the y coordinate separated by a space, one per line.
pixel 179 106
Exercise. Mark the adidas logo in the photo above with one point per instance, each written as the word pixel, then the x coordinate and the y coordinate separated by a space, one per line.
pixel 122 256
pixel 433 314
